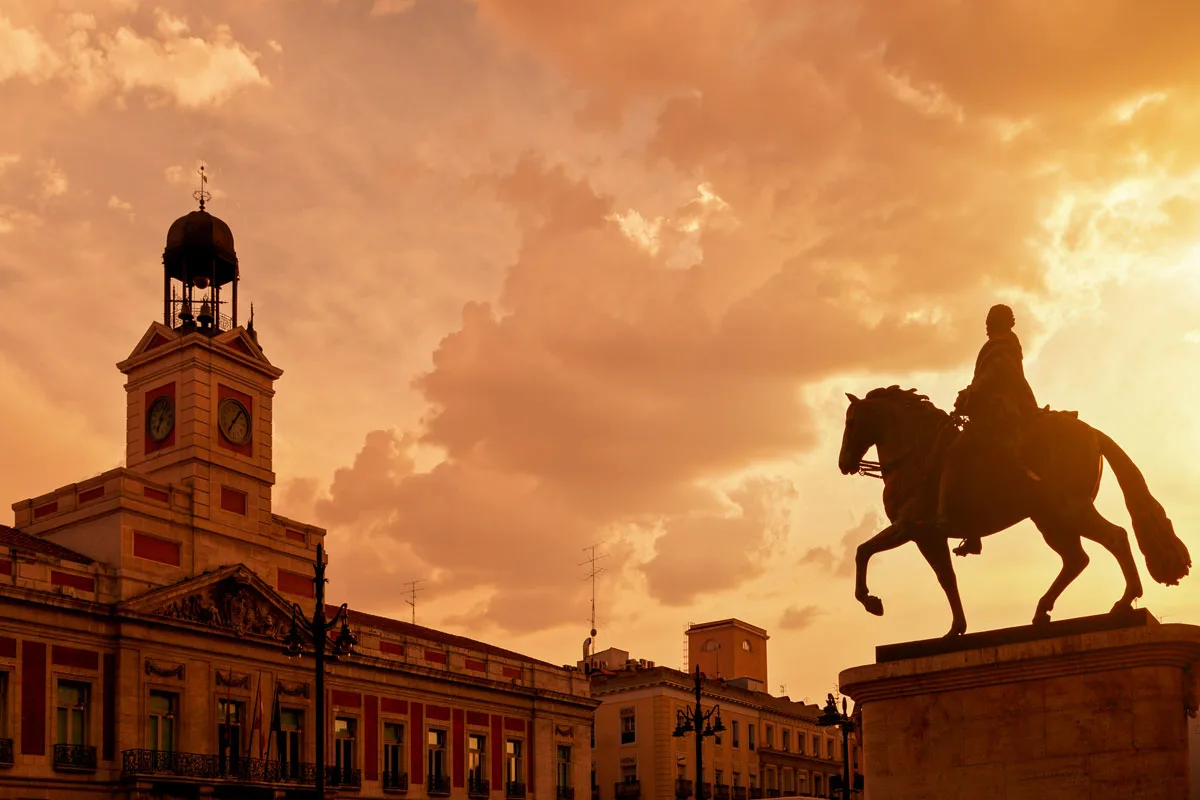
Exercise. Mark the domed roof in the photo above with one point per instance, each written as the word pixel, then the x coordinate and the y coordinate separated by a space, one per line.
pixel 199 240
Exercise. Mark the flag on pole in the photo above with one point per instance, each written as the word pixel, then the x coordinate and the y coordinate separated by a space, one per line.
pixel 276 722
pixel 256 721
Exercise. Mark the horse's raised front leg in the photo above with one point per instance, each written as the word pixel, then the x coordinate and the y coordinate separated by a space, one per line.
pixel 936 550
pixel 889 538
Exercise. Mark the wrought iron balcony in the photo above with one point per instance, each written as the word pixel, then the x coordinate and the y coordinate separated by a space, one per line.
pixel 437 785
pixel 74 758
pixel 395 781
pixel 595 793
pixel 6 752
pixel 204 767
pixel 564 793
pixel 756 793
pixel 629 790
pixel 722 792
pixel 706 791
pixel 478 787
pixel 683 788
pixel 739 793
pixel 772 793
pixel 514 789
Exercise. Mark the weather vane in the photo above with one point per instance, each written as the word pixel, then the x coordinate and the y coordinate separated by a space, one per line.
pixel 202 194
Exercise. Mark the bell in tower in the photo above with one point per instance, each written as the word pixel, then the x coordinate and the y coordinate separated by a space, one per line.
pixel 199 266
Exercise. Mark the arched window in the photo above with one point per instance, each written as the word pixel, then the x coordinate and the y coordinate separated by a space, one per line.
pixel 711 644
pixel 746 645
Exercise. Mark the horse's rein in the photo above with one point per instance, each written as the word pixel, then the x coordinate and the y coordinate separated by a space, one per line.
pixel 876 469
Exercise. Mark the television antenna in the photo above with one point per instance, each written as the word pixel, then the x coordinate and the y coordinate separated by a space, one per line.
pixel 413 589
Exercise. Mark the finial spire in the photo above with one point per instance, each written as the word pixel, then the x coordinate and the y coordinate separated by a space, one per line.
pixel 202 194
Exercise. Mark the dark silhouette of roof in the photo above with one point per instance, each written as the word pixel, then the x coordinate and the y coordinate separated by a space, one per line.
pixel 420 632
pixel 18 540
pixel 200 240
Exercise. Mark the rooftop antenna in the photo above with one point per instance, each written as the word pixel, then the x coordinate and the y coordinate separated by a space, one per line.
pixel 686 667
pixel 412 596
pixel 202 194
pixel 592 573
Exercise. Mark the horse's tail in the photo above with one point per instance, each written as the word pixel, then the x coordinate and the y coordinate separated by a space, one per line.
pixel 1167 557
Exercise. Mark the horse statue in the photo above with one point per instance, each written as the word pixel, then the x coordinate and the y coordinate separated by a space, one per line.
pixel 910 435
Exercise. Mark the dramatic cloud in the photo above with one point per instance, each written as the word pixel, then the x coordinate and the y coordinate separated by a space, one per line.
pixel 797 619
pixel 839 560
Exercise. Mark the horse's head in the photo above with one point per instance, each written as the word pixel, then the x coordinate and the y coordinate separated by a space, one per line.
pixel 860 434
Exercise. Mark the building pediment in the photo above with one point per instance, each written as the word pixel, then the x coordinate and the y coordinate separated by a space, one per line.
pixel 231 600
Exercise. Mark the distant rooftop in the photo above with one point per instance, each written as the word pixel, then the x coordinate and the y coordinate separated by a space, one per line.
pixel 23 542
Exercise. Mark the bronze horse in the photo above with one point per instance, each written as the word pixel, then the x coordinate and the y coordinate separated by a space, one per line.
pixel 910 435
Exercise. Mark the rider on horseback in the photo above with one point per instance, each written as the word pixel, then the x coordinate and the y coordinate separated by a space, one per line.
pixel 999 401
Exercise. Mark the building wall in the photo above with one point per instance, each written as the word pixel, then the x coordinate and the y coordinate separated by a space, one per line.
pixel 729 649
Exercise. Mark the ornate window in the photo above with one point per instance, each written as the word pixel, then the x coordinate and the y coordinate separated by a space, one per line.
pixel 160 721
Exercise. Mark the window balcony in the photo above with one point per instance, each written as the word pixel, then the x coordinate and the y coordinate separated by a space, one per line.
pixel 514 789
pixel 756 793
pixel 6 752
pixel 629 790
pixel 395 781
pixel 722 792
pixel 74 758
pixel 437 785
pixel 478 787
pixel 564 793
pixel 683 789
pixel 706 791
pixel 595 793
pixel 739 793
pixel 198 767
pixel 343 777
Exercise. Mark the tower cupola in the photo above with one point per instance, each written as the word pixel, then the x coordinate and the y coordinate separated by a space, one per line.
pixel 200 272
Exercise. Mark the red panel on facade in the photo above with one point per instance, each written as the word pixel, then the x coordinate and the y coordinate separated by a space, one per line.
pixel 8 647
pixel 441 713
pixel 346 699
pixel 33 698
pixel 515 725
pixel 167 391
pixel 478 666
pixel 295 536
pixel 391 648
pixel 153 548
pixel 391 705
pixel 47 508
pixel 5 568
pixel 371 737
pixel 416 761
pixel 88 495
pixel 75 658
pixel 233 501
pixel 512 672
pixel 246 400
pixel 497 751
pixel 108 721
pixel 295 583
pixel 156 494
pixel 477 718
pixel 458 751
pixel 435 656
pixel 81 582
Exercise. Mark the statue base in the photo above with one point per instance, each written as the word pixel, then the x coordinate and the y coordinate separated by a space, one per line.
pixel 1094 707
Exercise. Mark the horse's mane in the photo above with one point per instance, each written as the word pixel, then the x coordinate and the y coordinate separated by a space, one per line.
pixel 907 397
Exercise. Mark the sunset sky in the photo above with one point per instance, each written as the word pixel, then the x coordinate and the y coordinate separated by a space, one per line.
pixel 543 274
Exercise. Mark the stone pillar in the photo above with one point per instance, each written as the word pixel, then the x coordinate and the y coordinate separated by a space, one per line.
pixel 1084 708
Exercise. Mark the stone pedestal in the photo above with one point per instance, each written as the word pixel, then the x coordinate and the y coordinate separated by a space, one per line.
pixel 1087 708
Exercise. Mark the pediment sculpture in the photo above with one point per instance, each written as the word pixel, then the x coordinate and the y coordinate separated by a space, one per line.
pixel 229 605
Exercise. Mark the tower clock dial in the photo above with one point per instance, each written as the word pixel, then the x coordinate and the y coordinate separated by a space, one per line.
pixel 234 421
pixel 160 419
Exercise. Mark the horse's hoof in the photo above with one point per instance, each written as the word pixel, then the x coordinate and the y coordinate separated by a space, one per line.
pixel 1041 618
pixel 1122 608
pixel 873 605
pixel 957 629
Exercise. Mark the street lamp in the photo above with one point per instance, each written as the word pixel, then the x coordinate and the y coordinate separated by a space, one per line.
pixel 318 632
pixel 831 717
pixel 702 723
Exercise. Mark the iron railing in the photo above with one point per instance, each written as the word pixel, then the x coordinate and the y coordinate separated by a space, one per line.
pixel 514 789
pixel 739 793
pixel 756 793
pixel 6 752
pixel 683 788
pixel 628 790
pixel 595 793
pixel 74 758
pixel 478 787
pixel 722 792
pixel 395 781
pixel 564 793
pixel 437 785
pixel 199 766
pixel 706 791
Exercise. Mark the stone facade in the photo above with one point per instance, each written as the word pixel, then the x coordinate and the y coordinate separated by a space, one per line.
pixel 1075 715
pixel 143 614
pixel 771 747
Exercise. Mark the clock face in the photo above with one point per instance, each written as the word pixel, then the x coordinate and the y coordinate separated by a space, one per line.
pixel 234 421
pixel 160 419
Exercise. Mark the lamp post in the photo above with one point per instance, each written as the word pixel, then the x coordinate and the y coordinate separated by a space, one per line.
pixel 831 717
pixel 702 723
pixel 318 631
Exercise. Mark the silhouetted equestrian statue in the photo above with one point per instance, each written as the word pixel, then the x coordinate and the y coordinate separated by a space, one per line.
pixel 947 478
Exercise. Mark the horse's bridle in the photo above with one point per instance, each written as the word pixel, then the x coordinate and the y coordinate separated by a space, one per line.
pixel 877 469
